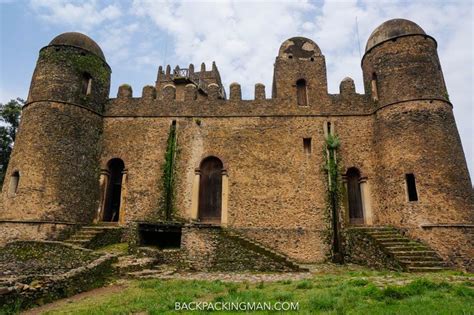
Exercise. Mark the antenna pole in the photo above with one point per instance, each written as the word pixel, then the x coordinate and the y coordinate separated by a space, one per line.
pixel 358 40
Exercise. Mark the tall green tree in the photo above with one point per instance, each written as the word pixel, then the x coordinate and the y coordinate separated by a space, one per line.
pixel 9 122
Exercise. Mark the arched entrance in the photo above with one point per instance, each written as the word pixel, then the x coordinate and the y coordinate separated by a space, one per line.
pixel 114 191
pixel 210 190
pixel 354 197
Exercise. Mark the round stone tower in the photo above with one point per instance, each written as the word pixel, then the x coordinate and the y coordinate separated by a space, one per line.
pixel 53 173
pixel 422 176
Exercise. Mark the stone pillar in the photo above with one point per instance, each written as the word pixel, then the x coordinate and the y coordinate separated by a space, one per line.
pixel 125 91
pixel 259 91
pixel 235 92
pixel 213 91
pixel 195 195
pixel 225 198
pixel 366 202
pixel 149 92
pixel 123 198
pixel 190 92
pixel 103 184
pixel 169 92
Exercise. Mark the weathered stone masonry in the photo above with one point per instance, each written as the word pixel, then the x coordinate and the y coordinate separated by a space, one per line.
pixel 273 189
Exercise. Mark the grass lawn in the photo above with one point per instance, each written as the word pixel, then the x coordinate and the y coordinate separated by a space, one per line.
pixel 341 291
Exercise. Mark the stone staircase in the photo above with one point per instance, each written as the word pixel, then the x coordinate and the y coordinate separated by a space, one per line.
pixel 95 236
pixel 411 255
pixel 260 248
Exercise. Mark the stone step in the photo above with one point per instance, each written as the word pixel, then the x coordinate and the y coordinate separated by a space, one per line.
pixel 392 239
pixel 398 253
pixel 80 238
pixel 99 227
pixel 384 234
pixel 422 263
pixel 426 269
pixel 408 247
pixel 398 243
pixel 419 258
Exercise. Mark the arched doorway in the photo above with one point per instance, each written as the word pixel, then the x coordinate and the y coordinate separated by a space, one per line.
pixel 210 190
pixel 354 197
pixel 114 191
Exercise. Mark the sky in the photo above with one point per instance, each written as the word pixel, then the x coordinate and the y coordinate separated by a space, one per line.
pixel 242 37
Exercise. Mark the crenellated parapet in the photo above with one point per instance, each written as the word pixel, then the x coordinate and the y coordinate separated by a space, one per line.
pixel 181 77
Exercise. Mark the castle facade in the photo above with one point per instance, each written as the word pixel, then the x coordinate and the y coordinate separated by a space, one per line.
pixel 186 153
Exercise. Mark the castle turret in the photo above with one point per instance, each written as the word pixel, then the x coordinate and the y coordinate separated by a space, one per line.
pixel 300 72
pixel 53 173
pixel 421 169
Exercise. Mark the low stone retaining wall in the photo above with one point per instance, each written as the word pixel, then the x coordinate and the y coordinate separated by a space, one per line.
pixel 361 249
pixel 34 230
pixel 19 290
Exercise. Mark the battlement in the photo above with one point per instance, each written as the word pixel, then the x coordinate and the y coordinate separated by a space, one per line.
pixel 182 77
pixel 192 102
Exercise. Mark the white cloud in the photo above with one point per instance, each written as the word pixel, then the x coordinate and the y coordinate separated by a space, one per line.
pixel 82 14
pixel 243 38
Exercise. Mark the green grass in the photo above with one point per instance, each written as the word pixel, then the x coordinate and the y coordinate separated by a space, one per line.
pixel 349 292
pixel 119 248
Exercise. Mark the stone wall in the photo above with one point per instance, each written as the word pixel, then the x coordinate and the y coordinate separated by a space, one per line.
pixel 454 243
pixel 45 271
pixel 360 248
pixel 210 249
pixel 14 231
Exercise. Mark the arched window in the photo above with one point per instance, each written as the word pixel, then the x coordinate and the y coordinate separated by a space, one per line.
pixel 301 92
pixel 210 190
pixel 373 86
pixel 114 190
pixel 354 197
pixel 14 181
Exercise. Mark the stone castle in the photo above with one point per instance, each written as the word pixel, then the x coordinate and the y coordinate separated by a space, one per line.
pixel 185 160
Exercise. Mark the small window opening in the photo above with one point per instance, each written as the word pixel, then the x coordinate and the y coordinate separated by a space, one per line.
pixel 290 57
pixel 373 85
pixel 301 92
pixel 411 187
pixel 86 84
pixel 312 59
pixel 173 123
pixel 161 236
pixel 329 128
pixel 307 145
pixel 14 181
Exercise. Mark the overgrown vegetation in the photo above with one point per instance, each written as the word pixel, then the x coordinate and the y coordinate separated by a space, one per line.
pixel 338 292
pixel 10 120
pixel 333 196
pixel 168 177
pixel 82 63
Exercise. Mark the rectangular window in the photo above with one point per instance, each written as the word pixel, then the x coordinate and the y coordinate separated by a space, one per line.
pixel 411 187
pixel 307 145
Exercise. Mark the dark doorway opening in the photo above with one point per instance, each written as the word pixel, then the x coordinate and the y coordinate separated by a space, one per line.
pixel 210 190
pixel 354 197
pixel 161 236
pixel 114 191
